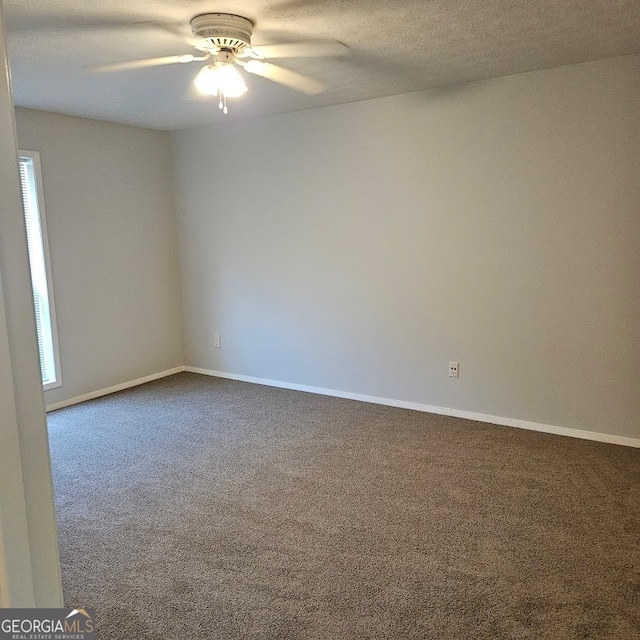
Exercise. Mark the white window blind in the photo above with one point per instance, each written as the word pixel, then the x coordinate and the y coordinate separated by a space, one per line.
pixel 40 269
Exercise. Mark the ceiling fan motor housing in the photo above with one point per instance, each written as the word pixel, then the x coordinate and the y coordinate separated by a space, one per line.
pixel 223 30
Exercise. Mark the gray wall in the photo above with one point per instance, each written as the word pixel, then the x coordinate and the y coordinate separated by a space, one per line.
pixel 109 209
pixel 362 247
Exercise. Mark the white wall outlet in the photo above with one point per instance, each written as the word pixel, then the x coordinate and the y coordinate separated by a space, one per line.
pixel 454 369
pixel 216 341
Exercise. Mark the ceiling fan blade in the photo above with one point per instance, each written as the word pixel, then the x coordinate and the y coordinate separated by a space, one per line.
pixel 145 62
pixel 46 21
pixel 291 79
pixel 302 50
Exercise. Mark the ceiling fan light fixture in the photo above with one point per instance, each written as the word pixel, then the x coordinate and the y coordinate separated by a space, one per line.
pixel 214 79
pixel 222 80
pixel 226 39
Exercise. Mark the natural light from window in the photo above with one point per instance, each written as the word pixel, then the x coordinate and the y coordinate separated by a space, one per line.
pixel 40 271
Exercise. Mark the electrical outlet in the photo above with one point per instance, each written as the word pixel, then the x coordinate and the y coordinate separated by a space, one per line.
pixel 454 369
pixel 216 341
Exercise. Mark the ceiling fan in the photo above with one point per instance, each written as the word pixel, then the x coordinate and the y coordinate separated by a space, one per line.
pixel 224 39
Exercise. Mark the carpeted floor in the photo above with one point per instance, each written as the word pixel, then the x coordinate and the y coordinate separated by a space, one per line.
pixel 193 508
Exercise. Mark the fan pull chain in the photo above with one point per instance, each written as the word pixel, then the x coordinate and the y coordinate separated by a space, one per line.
pixel 222 101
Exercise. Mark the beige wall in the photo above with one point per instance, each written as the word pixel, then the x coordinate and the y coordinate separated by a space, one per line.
pixel 109 209
pixel 362 247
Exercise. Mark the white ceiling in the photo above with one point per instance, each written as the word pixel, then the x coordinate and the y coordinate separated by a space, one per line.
pixel 396 47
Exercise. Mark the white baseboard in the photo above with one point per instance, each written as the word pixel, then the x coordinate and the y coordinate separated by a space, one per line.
pixel 415 406
pixel 108 390
pixel 390 402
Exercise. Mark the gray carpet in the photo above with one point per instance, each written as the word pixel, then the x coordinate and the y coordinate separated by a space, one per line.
pixel 193 507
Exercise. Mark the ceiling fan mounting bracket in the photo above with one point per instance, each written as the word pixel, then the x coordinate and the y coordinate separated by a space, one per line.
pixel 223 31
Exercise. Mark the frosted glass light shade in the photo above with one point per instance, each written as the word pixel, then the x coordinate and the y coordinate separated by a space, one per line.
pixel 223 79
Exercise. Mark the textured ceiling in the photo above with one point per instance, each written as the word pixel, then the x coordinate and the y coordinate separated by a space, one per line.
pixel 396 47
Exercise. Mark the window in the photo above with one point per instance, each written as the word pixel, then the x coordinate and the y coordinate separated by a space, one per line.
pixel 31 183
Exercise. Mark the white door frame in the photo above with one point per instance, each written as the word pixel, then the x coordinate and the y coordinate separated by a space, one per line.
pixel 29 559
